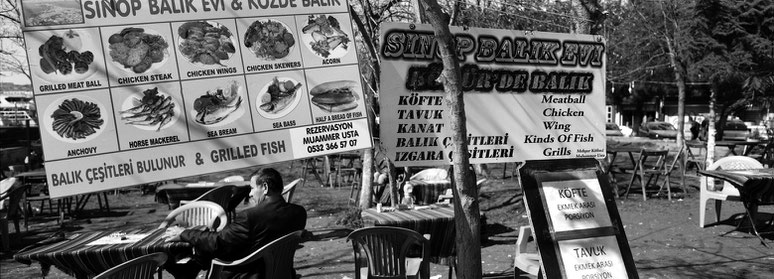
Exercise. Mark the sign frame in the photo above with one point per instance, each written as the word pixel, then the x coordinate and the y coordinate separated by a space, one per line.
pixel 534 175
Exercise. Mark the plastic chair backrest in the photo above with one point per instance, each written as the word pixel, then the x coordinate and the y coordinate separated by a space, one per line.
pixel 197 213
pixel 288 190
pixel 386 249
pixel 233 178
pixel 277 257
pixel 220 195
pixel 730 163
pixel 143 267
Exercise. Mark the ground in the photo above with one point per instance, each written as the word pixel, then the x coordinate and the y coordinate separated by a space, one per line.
pixel 664 236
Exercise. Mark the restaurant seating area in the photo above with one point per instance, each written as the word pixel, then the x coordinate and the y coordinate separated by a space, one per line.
pixel 430 218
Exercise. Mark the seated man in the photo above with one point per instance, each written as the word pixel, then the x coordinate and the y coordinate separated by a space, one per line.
pixel 268 218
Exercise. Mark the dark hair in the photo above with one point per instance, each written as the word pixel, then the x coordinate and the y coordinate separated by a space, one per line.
pixel 272 178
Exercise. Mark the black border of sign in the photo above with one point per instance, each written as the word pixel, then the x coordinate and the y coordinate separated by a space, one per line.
pixel 533 173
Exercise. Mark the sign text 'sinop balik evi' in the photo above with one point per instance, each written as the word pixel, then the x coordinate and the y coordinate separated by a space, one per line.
pixel 137 91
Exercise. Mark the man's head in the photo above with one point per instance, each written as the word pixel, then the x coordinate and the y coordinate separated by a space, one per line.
pixel 264 182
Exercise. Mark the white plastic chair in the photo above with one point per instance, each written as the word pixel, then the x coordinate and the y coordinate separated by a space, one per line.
pixel 527 262
pixel 198 213
pixel 288 190
pixel 709 191
pixel 137 268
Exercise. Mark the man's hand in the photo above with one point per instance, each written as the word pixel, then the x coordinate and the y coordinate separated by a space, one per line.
pixel 173 233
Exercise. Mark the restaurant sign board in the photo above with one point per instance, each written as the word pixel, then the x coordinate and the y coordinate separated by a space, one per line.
pixel 528 95
pixel 575 221
pixel 138 91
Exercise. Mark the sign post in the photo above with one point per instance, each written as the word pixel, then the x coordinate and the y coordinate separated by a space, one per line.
pixel 575 220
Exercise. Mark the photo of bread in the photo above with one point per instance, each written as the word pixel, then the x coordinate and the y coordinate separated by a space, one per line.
pixel 335 96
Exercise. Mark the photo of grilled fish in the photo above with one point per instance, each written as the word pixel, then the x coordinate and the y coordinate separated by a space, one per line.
pixel 279 95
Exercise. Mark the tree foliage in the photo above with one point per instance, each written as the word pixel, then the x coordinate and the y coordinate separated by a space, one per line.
pixel 735 50
pixel 727 43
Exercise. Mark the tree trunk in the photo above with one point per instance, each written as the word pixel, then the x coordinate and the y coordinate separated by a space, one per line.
pixel 466 207
pixel 680 79
pixel 366 189
pixel 711 129
pixel 582 16
pixel 455 13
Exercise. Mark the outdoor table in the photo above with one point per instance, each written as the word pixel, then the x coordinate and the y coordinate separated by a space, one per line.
pixel 756 186
pixel 427 191
pixel 732 144
pixel 438 221
pixel 172 193
pixel 612 153
pixel 36 190
pixel 75 256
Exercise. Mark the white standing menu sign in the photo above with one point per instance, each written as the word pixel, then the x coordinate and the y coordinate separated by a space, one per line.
pixel 138 91
pixel 576 225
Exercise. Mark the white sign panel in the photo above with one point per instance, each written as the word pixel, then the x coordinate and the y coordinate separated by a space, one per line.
pixel 528 95
pixel 576 204
pixel 592 258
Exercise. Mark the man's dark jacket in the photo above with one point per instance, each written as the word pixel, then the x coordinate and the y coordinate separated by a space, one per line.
pixel 250 230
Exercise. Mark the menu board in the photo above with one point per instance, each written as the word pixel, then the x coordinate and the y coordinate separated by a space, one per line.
pixel 576 224
pixel 137 91
pixel 528 95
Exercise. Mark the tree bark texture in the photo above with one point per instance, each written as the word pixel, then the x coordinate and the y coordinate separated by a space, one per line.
pixel 589 16
pixel 466 207
pixel 711 129
pixel 366 185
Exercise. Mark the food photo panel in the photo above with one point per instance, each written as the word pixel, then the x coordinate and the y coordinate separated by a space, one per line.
pixel 335 97
pixel 280 100
pixel 327 39
pixel 139 54
pixel 65 60
pixel 217 107
pixel 149 115
pixel 269 44
pixel 51 12
pixel 76 124
pixel 207 48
